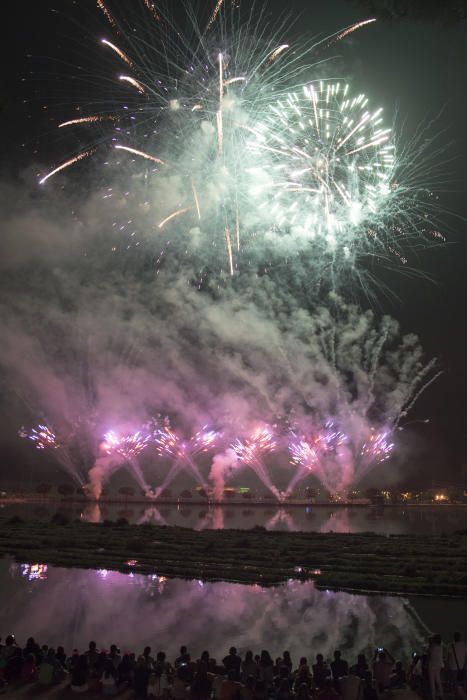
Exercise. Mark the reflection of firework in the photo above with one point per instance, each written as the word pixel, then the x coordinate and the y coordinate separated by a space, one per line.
pixel 42 436
pixel 127 446
pixel 34 572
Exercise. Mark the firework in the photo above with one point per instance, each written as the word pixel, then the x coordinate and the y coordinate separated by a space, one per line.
pixel 250 452
pixel 170 445
pixel 121 54
pixel 378 447
pixel 66 164
pixel 34 572
pixel 127 446
pixel 152 9
pixel 45 437
pixel 252 449
pixel 42 436
pixel 330 450
pixel 142 154
pixel 349 30
pixel 319 166
pixel 135 83
pixel 106 12
pixel 330 164
pixel 86 120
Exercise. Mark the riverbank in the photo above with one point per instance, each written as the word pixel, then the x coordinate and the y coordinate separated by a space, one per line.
pixel 224 503
pixel 403 564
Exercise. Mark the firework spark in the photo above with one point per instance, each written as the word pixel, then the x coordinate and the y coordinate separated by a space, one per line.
pixel 142 154
pixel 85 120
pixel 108 15
pixel 121 54
pixel 349 30
pixel 215 13
pixel 331 165
pixel 174 215
pixel 250 452
pixel 42 436
pixel 132 81
pixel 277 52
pixel 170 445
pixel 66 164
pixel 378 447
pixel 152 9
pixel 127 446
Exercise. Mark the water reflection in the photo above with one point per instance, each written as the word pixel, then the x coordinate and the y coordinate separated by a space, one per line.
pixel 423 520
pixel 72 606
pixel 34 571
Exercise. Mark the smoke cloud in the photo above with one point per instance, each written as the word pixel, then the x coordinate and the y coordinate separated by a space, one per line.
pixel 99 338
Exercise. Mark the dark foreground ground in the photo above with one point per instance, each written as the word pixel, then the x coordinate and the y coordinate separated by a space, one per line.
pixel 400 564
pixel 63 692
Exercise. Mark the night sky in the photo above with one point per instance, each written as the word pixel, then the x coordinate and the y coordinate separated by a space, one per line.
pixel 413 69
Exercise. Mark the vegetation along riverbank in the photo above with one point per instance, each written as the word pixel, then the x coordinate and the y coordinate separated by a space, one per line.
pixel 402 564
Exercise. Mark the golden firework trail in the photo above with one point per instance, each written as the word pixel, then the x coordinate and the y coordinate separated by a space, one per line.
pixel 352 28
pixel 108 15
pixel 67 163
pixel 136 84
pixel 234 80
pixel 179 212
pixel 215 13
pixel 152 9
pixel 277 52
pixel 86 120
pixel 142 154
pixel 118 51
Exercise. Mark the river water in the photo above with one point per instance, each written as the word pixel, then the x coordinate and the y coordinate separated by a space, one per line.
pixel 385 521
pixel 72 606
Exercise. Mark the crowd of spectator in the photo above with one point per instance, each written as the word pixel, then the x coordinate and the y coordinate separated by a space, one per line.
pixel 439 671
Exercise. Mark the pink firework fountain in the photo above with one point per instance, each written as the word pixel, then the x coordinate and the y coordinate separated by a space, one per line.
pixel 310 453
pixel 116 451
pixel 250 453
pixel 182 452
pixel 45 438
pixel 335 458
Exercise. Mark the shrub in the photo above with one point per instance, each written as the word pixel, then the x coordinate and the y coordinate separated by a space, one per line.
pixel 136 545
pixel 122 522
pixel 59 519
pixel 15 520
